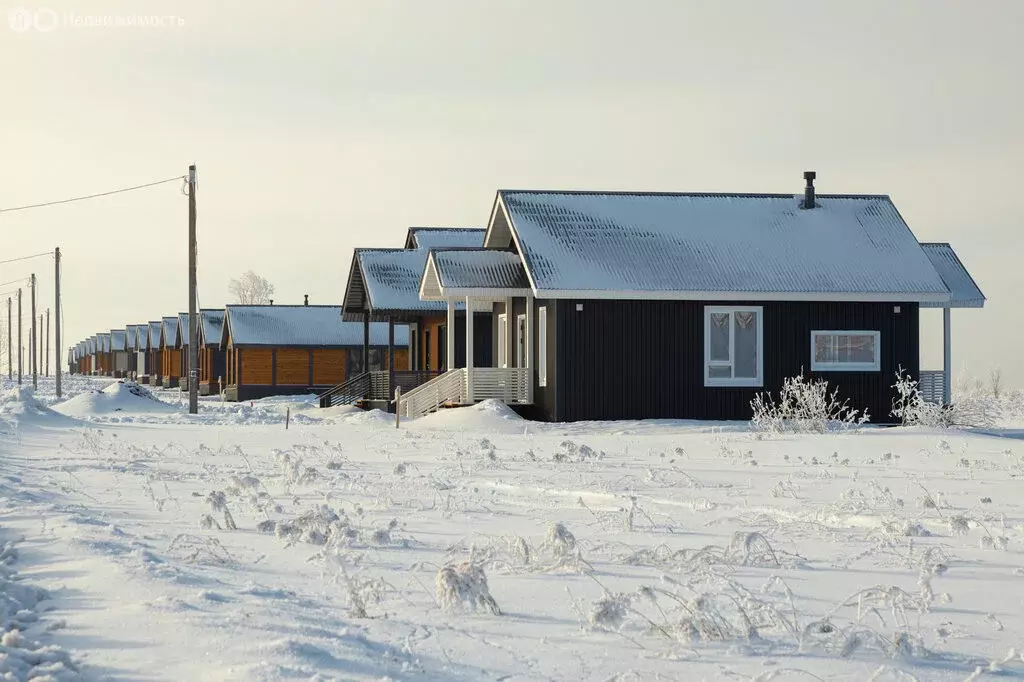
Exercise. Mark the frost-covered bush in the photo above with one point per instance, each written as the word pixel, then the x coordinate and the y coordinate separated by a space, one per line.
pixel 971 408
pixel 465 585
pixel 803 406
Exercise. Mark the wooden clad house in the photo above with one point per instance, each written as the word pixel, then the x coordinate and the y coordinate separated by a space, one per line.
pixel 383 286
pixel 103 355
pixel 118 353
pixel 212 358
pixel 181 343
pixel 141 362
pixel 170 354
pixel 131 333
pixel 155 357
pixel 626 305
pixel 89 358
pixel 291 350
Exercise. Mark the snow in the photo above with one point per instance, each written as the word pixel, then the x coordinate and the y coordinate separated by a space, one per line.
pixel 211 326
pixel 748 245
pixel 120 396
pixel 964 292
pixel 430 237
pixel 391 278
pixel 169 333
pixel 478 269
pixel 475 545
pixel 302 325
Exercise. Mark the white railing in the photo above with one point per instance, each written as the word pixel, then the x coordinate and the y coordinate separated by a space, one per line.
pixel 507 384
pixel 931 385
pixel 449 388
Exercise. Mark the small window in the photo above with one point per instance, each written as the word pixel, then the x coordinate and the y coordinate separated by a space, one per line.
pixel 733 342
pixel 542 346
pixel 502 340
pixel 845 351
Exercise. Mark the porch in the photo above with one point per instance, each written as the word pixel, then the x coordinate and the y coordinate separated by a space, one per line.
pixel 376 386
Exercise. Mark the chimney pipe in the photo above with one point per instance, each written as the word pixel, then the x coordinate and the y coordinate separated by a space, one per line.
pixel 306 302
pixel 809 190
pixel 271 301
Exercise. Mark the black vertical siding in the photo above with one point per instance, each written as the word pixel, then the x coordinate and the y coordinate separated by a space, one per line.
pixel 483 354
pixel 645 359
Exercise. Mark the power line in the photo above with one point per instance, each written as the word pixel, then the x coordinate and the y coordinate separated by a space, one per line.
pixel 13 281
pixel 15 260
pixel 92 196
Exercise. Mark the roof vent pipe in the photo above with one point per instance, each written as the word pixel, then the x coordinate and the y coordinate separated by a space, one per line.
pixel 306 301
pixel 809 190
pixel 271 301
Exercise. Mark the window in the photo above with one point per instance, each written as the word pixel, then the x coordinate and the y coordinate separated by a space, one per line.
pixel 733 342
pixel 502 340
pixel 542 346
pixel 521 341
pixel 845 351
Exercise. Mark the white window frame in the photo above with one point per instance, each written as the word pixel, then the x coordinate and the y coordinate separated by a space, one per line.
pixel 542 346
pixel 875 366
pixel 521 340
pixel 708 363
pixel 503 340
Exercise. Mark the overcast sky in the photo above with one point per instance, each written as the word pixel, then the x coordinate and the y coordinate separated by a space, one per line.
pixel 321 126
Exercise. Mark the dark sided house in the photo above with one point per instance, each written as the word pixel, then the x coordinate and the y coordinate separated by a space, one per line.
pixel 103 355
pixel 118 353
pixel 212 363
pixel 383 286
pixel 131 334
pixel 299 349
pixel 181 345
pixel 625 305
pixel 141 366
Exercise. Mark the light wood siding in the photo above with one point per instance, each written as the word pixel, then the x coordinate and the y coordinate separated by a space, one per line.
pixel 292 367
pixel 401 359
pixel 329 366
pixel 257 367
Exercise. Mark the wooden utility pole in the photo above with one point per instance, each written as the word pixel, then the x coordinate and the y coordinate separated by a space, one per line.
pixel 10 343
pixel 193 312
pixel 32 336
pixel 46 351
pixel 21 347
pixel 56 312
pixel 39 345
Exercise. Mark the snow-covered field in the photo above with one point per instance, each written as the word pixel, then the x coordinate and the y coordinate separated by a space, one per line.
pixel 143 544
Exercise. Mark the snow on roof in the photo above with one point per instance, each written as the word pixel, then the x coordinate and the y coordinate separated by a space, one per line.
pixel 211 325
pixel 674 246
pixel 391 278
pixel 154 334
pixel 169 332
pixel 131 332
pixel 302 325
pixel 118 340
pixel 964 292
pixel 183 330
pixel 142 336
pixel 479 269
pixel 430 237
pixel 103 342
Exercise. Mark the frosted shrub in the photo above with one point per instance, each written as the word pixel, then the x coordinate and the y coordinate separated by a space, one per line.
pixel 970 409
pixel 465 585
pixel 803 406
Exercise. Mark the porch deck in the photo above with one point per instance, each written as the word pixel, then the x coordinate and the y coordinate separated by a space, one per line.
pixel 466 386
pixel 375 385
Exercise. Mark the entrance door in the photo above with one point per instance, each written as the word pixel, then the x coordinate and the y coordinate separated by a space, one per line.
pixel 521 341
pixel 442 348
pixel 426 349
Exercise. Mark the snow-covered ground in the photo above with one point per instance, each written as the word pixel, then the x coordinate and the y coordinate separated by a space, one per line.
pixel 143 544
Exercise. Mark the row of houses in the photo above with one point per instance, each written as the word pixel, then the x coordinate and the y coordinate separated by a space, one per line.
pixel 575 305
pixel 244 351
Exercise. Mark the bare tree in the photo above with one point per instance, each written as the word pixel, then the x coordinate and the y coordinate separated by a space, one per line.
pixel 251 289
pixel 995 382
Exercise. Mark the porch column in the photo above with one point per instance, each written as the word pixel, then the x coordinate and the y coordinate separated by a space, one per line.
pixel 528 340
pixel 366 339
pixel 391 355
pixel 469 350
pixel 947 359
pixel 449 336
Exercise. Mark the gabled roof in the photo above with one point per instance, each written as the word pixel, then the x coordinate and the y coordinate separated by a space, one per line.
pixel 118 340
pixel 211 324
pixel 964 292
pixel 131 334
pixel 390 279
pixel 155 328
pixel 183 330
pixel 300 325
pixel 713 246
pixel 90 344
pixel 142 336
pixel 169 332
pixel 430 237
pixel 103 342
pixel 455 272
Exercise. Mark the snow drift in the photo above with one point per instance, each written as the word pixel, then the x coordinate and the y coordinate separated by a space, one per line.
pixel 20 408
pixel 122 396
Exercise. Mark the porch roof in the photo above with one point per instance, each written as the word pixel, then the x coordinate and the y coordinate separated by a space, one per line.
pixel 964 292
pixel 711 246
pixel 476 272
pixel 389 279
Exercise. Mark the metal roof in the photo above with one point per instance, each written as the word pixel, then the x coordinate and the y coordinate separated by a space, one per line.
pixel 391 280
pixel 142 336
pixel 131 334
pixel 703 246
pixel 964 292
pixel 169 332
pixel 182 334
pixel 154 334
pixel 430 237
pixel 302 325
pixel 103 342
pixel 478 269
pixel 211 325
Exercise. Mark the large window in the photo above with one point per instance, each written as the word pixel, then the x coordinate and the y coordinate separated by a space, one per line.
pixel 733 343
pixel 542 346
pixel 845 351
pixel 502 340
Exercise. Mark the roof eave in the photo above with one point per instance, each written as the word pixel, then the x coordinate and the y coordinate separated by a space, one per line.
pixel 851 297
